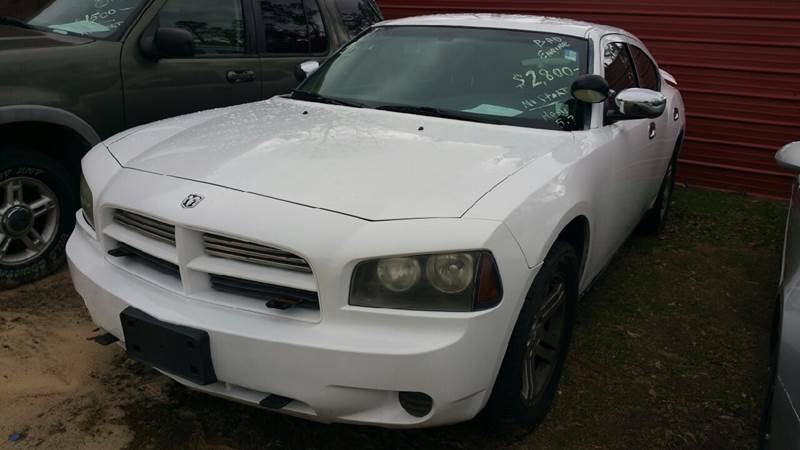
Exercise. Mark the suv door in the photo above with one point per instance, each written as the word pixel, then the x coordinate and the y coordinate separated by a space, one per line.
pixel 224 71
pixel 293 31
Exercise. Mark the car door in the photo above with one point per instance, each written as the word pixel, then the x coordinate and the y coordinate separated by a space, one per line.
pixel 662 144
pixel 225 69
pixel 632 140
pixel 293 31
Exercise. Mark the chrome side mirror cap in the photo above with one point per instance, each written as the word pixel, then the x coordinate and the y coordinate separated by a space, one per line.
pixel 638 103
pixel 305 69
pixel 789 157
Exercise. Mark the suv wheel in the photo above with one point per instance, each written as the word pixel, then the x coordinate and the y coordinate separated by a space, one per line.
pixel 37 201
pixel 531 369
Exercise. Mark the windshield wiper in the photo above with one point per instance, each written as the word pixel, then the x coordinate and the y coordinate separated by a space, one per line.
pixel 15 22
pixel 314 97
pixel 437 112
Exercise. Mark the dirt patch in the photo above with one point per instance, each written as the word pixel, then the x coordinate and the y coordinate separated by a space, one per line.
pixel 58 390
pixel 669 351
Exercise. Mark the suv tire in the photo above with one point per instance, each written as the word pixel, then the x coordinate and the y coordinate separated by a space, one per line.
pixel 38 200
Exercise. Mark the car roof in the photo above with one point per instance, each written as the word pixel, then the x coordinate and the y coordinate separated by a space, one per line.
pixel 556 25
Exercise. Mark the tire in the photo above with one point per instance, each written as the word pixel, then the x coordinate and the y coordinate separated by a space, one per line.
pixel 36 190
pixel 655 220
pixel 514 400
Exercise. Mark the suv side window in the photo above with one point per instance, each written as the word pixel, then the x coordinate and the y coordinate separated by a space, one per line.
pixel 216 25
pixel 294 26
pixel 646 69
pixel 358 15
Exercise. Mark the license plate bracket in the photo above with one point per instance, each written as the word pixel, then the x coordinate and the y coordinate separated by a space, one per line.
pixel 175 349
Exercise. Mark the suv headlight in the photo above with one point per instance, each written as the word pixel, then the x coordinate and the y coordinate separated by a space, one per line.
pixel 463 281
pixel 87 202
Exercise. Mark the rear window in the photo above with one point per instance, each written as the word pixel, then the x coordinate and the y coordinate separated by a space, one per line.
pixel 294 26
pixel 648 74
pixel 358 15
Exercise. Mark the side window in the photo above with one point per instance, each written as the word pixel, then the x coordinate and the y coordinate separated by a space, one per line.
pixel 618 67
pixel 358 15
pixel 619 71
pixel 646 69
pixel 294 26
pixel 216 25
pixel 317 38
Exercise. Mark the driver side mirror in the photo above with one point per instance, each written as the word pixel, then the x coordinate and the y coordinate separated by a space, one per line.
pixel 167 43
pixel 305 69
pixel 789 157
pixel 590 89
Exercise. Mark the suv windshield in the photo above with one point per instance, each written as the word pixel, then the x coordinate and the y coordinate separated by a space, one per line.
pixel 498 76
pixel 94 18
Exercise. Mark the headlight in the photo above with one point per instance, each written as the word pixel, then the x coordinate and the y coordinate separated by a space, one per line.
pixel 398 274
pixel 464 281
pixel 87 202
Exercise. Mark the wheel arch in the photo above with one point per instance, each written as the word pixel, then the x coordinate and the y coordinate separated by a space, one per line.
pixel 50 115
pixel 577 233
pixel 57 133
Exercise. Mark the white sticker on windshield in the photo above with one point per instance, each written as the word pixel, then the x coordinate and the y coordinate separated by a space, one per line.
pixel 570 55
pixel 80 27
pixel 493 110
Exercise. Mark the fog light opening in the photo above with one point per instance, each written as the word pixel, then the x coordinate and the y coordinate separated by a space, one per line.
pixel 416 403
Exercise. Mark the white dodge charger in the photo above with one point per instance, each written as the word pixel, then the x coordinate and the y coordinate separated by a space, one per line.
pixel 403 239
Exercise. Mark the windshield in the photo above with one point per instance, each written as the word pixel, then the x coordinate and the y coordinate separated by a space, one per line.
pixel 498 76
pixel 93 18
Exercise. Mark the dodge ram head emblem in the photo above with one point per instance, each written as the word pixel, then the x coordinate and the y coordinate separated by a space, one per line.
pixel 191 201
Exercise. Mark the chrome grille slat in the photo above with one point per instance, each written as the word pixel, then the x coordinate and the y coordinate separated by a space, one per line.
pixel 145 229
pixel 147 220
pixel 255 254
pixel 264 255
pixel 213 240
pixel 146 226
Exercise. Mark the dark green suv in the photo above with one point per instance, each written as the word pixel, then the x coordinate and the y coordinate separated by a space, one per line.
pixel 79 71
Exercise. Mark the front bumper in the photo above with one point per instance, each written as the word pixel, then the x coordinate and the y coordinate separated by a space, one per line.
pixel 347 367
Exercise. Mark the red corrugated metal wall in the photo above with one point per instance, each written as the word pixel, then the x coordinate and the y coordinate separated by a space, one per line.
pixel 737 64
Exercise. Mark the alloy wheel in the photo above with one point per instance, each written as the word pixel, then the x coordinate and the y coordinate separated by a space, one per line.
pixel 543 346
pixel 29 215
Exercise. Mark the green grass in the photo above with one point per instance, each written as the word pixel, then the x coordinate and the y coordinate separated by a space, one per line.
pixel 669 351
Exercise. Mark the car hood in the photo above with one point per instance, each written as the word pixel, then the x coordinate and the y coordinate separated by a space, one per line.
pixel 16 38
pixel 375 165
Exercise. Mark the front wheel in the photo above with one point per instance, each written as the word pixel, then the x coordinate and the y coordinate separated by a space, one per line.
pixel 531 369
pixel 38 198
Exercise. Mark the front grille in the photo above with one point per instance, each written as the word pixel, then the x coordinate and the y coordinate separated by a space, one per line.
pixel 151 228
pixel 223 247
pixel 124 250
pixel 278 297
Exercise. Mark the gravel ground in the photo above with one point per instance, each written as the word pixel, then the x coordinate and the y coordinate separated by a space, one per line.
pixel 670 351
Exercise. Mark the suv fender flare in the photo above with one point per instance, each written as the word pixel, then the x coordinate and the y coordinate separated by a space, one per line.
pixel 48 114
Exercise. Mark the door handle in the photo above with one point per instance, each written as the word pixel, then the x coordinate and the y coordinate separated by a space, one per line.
pixel 652 131
pixel 240 76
